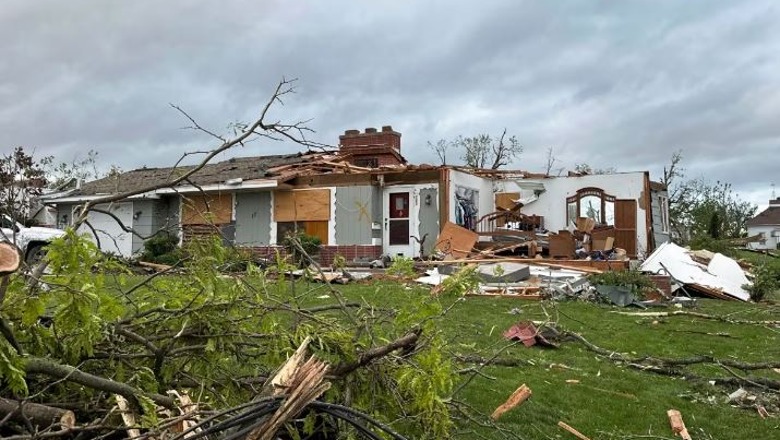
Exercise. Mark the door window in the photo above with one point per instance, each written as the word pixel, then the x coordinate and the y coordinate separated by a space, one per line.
pixel 399 218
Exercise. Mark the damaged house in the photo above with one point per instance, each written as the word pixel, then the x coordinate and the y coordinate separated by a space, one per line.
pixel 362 201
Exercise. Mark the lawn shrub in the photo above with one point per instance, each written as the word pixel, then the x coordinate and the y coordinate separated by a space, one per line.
pixel 162 248
pixel 637 281
pixel 402 267
pixel 766 280
pixel 296 243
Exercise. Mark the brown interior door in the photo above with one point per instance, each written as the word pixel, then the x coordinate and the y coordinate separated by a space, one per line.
pixel 399 218
pixel 625 226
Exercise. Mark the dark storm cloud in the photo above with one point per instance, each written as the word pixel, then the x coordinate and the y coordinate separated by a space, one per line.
pixel 621 84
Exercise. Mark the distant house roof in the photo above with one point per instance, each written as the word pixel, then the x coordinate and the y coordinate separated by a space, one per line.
pixel 767 217
pixel 241 167
pixel 657 186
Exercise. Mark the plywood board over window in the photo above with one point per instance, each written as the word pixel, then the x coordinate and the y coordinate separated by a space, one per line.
pixel 302 205
pixel 207 209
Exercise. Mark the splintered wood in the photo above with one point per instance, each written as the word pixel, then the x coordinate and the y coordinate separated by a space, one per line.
pixel 678 426
pixel 301 381
pixel 128 417
pixel 517 398
pixel 573 431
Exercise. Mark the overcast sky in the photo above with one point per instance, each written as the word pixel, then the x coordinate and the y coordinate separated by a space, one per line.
pixel 619 84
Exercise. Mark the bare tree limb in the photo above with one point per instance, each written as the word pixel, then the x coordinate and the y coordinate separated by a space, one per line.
pixel 52 369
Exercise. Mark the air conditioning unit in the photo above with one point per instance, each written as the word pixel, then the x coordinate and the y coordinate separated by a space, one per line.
pixel 776 233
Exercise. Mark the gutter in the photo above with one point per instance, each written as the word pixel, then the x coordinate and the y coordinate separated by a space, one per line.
pixel 230 185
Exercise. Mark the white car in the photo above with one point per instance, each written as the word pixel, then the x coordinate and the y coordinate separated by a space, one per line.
pixel 31 241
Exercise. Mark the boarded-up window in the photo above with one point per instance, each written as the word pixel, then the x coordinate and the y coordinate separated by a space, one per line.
pixel 208 209
pixel 317 229
pixel 302 205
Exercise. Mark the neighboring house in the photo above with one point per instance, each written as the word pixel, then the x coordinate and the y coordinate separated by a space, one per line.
pixel 767 225
pixel 361 201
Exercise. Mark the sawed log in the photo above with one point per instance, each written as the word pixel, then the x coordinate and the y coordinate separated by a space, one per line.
pixel 43 416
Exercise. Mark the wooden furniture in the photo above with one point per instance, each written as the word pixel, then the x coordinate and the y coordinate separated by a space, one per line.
pixel 562 245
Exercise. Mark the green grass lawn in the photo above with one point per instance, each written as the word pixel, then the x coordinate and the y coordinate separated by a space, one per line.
pixel 610 400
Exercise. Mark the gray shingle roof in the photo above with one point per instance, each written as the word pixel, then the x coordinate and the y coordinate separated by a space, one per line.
pixel 240 167
pixel 767 217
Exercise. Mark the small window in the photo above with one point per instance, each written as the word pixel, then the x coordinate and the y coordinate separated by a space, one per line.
pixel 367 162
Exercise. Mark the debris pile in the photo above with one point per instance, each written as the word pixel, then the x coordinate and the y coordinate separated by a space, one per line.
pixel 673 271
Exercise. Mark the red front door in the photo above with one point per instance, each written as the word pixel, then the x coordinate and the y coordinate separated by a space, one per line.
pixel 399 218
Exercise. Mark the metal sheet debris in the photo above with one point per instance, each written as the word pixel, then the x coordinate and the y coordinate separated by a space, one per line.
pixel 527 333
pixel 721 275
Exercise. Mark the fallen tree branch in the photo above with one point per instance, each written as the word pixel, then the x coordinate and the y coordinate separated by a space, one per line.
pixel 669 366
pixel 502 362
pixel 406 341
pixel 71 374
pixel 698 315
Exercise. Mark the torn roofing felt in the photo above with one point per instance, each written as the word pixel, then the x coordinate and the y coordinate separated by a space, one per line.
pixel 722 274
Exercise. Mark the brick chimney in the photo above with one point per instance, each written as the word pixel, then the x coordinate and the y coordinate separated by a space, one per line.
pixel 371 138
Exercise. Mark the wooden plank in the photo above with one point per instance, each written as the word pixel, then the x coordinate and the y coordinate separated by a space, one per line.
pixel 572 431
pixel 613 265
pixel 207 209
pixel 455 240
pixel 677 424
pixel 302 205
pixel 517 398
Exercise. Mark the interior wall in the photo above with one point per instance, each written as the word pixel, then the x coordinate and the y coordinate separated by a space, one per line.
pixel 486 202
pixel 551 203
